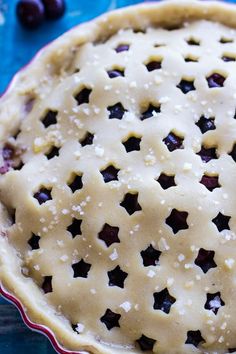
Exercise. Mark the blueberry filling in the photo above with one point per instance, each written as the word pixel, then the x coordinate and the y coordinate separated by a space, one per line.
pixel 150 256
pixel 50 118
pixel 130 203
pixel 210 182
pixel 149 111
pixel 205 260
pixel 83 96
pixel 116 111
pixel 81 269
pixel 194 338
pixel 222 222
pixel 177 220
pixel 215 80
pixel 109 234
pixel 207 154
pixel 166 181
pixel 87 140
pixel 122 48
pixel 214 302
pixel 117 277
pixel 173 142
pixel 53 153
pixel 146 343
pixel 75 228
pixel 163 301
pixel 110 319
pixel 34 242
pixel 115 73
pixel 132 144
pixel 76 183
pixel 153 65
pixel 110 174
pixel 47 285
pixel 186 86
pixel 43 195
pixel 206 124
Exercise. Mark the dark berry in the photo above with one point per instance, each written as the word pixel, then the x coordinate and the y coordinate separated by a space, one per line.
pixel 163 301
pixel 173 142
pixel 153 65
pixel 122 48
pixel 205 124
pixel 186 86
pixel 215 80
pixel 43 195
pixel 54 8
pixel 30 13
pixel 207 154
pixel 115 73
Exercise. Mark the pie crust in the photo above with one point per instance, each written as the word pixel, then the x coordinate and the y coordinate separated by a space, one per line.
pixel 117 189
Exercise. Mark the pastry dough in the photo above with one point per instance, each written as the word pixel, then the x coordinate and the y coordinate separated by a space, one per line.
pixel 117 189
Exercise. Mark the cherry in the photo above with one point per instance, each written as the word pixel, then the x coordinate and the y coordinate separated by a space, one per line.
pixel 30 13
pixel 54 8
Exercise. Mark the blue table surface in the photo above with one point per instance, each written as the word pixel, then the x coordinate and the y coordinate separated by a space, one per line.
pixel 17 47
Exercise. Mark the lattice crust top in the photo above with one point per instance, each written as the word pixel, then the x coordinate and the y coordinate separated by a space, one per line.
pixel 120 184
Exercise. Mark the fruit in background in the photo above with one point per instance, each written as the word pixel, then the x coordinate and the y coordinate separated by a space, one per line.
pixel 54 8
pixel 31 13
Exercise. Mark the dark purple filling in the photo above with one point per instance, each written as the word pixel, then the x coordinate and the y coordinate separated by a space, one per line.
pixel 166 181
pixel 116 111
pixel 214 302
pixel 34 242
pixel 76 184
pixel 186 86
pixel 205 260
pixel 110 174
pixel 153 65
pixel 43 195
pixel 50 118
pixel 150 256
pixel 81 269
pixel 87 140
pixel 122 48
pixel 177 220
pixel 222 222
pixel 117 277
pixel 75 228
pixel 210 182
pixel 83 96
pixel 109 234
pixel 47 285
pixel 115 73
pixel 110 319
pixel 206 124
pixel 149 112
pixel 215 80
pixel 146 343
pixel 163 301
pixel 227 58
pixel 207 154
pixel 194 338
pixel 173 142
pixel 132 144
pixel 130 203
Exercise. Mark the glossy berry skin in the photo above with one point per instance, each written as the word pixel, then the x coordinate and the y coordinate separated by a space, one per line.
pixel 54 8
pixel 30 13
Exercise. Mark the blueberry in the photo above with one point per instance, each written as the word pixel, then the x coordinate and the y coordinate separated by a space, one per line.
pixel 215 80
pixel 54 8
pixel 30 13
pixel 43 195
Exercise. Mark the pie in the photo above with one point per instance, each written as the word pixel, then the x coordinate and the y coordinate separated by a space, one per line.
pixel 118 164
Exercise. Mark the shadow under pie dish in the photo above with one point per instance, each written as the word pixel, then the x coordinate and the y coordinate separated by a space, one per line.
pixel 118 151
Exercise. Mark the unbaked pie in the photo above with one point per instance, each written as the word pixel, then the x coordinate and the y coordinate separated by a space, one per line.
pixel 118 164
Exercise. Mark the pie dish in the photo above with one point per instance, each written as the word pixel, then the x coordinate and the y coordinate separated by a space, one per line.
pixel 118 151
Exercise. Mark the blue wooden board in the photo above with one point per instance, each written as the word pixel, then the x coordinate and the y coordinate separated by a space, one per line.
pixel 17 47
